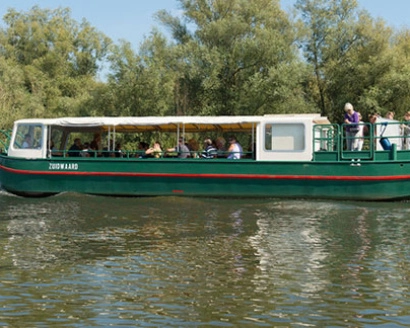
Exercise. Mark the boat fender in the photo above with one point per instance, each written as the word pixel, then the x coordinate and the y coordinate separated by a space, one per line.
pixel 385 143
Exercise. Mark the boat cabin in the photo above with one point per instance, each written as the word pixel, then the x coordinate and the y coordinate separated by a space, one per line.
pixel 269 137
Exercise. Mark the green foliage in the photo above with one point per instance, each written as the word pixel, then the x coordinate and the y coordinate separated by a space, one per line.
pixel 12 92
pixel 53 42
pixel 354 58
pixel 391 90
pixel 225 57
pixel 141 83
pixel 240 60
pixel 54 60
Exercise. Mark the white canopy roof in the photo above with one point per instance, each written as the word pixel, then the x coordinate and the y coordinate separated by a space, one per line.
pixel 165 123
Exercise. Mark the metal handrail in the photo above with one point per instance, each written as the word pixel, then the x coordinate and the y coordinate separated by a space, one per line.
pixel 329 141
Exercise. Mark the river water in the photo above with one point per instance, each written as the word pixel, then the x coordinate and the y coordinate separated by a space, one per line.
pixel 84 261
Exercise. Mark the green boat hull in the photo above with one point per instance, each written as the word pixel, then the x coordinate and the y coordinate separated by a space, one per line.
pixel 212 178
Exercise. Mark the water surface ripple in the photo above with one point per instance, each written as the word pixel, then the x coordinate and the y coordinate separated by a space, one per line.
pixel 84 261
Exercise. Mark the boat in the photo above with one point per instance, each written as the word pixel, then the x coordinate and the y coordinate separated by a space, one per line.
pixel 290 156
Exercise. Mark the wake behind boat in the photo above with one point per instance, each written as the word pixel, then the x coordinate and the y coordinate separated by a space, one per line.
pixel 288 156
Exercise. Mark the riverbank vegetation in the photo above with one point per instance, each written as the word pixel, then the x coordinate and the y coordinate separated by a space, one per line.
pixel 224 57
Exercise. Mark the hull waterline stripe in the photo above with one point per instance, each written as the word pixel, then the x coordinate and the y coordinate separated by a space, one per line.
pixel 212 175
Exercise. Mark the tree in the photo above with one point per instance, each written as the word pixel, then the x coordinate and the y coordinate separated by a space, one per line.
pixel 57 56
pixel 350 54
pixel 48 39
pixel 238 57
pixel 391 91
pixel 13 96
pixel 142 83
pixel 330 35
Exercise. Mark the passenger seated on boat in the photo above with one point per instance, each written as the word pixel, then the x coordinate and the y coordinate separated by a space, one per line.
pixel 96 142
pixel 193 147
pixel 142 148
pixel 118 151
pixel 155 151
pixel 28 142
pixel 181 149
pixel 107 152
pixel 85 152
pixel 95 146
pixel 235 149
pixel 92 151
pixel 52 151
pixel 76 148
pixel 220 143
pixel 210 150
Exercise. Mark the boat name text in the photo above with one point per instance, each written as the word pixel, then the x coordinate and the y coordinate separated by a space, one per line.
pixel 63 166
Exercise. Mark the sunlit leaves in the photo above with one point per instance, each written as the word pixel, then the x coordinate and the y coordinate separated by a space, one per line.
pixel 224 57
pixel 232 46
pixel 58 59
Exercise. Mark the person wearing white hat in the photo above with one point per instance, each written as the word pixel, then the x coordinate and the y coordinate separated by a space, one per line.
pixel 352 129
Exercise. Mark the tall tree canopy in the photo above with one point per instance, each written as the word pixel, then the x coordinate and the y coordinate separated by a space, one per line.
pixel 236 57
pixel 142 83
pixel 55 61
pixel 224 57
pixel 351 56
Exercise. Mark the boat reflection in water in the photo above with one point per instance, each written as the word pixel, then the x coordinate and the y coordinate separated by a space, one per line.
pixel 291 248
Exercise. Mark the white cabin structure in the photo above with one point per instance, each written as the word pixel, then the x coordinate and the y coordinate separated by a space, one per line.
pixel 275 137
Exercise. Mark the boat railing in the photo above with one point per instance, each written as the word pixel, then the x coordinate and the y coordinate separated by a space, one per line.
pixel 137 154
pixel 380 141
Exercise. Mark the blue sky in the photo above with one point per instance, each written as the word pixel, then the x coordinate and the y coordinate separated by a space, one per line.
pixel 133 19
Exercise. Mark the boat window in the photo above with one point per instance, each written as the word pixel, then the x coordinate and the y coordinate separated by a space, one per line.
pixel 285 137
pixel 28 136
pixel 56 138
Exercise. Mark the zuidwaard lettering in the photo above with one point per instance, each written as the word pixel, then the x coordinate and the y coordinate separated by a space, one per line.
pixel 63 166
